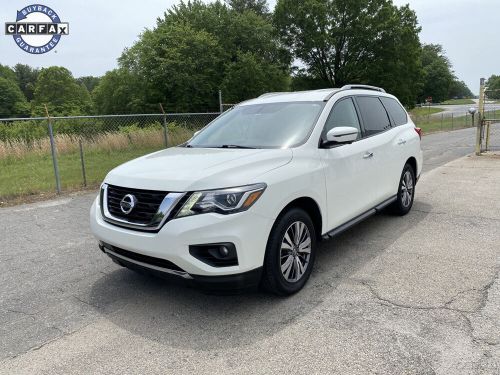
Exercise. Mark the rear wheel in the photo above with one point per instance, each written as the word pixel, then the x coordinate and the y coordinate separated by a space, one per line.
pixel 406 191
pixel 290 253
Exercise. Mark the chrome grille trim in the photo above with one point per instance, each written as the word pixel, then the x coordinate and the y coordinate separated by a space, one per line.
pixel 182 274
pixel 160 217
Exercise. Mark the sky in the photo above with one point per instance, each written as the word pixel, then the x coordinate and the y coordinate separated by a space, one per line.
pixel 101 29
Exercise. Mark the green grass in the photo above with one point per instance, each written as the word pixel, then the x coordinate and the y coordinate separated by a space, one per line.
pixel 424 111
pixel 440 123
pixel 34 174
pixel 458 102
pixel 26 167
pixel 430 124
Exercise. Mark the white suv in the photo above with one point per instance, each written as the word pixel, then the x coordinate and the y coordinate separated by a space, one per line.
pixel 246 200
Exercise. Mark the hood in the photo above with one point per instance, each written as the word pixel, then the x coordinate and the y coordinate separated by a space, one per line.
pixel 190 169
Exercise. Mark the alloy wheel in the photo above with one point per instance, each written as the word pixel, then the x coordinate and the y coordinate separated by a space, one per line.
pixel 407 189
pixel 295 251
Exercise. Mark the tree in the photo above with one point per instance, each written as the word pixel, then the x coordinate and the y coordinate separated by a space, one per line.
pixel 183 62
pixel 257 6
pixel 119 92
pixel 493 85
pixel 62 94
pixel 235 31
pixel 26 77
pixel 12 101
pixel 250 76
pixel 396 64
pixel 180 67
pixel 353 41
pixel 458 89
pixel 301 80
pixel 7 73
pixel 90 82
pixel 438 75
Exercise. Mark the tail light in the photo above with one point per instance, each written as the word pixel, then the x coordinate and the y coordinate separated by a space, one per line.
pixel 419 132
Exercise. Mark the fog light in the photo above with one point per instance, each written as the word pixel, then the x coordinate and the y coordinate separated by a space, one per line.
pixel 216 255
pixel 224 251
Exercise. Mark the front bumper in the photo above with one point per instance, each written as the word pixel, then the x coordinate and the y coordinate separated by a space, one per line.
pixel 235 282
pixel 246 230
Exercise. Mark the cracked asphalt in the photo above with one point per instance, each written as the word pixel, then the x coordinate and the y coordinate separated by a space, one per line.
pixel 418 294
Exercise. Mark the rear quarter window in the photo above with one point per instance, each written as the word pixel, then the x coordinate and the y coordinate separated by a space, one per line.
pixel 395 110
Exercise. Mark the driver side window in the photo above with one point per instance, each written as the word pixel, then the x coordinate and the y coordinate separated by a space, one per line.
pixel 343 114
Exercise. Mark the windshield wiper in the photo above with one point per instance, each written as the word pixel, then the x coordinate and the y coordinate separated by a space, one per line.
pixel 236 146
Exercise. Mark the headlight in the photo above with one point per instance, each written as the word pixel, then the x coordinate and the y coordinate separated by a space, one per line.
pixel 224 201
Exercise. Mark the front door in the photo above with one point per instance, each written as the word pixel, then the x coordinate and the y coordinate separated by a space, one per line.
pixel 348 168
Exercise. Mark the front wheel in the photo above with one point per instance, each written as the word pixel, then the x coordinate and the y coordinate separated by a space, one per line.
pixel 290 253
pixel 406 191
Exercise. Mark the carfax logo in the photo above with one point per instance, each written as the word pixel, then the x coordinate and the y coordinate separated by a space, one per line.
pixel 37 29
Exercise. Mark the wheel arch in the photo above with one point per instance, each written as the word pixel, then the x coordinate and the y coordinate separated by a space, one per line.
pixel 412 161
pixel 310 206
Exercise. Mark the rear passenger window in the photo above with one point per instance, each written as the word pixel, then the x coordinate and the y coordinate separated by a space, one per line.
pixel 374 115
pixel 397 112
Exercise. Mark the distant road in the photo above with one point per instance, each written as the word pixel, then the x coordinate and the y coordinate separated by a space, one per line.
pixel 462 109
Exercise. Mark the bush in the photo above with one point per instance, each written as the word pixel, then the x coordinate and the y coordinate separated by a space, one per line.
pixel 27 131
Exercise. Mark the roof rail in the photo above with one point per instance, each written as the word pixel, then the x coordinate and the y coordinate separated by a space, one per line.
pixel 362 87
pixel 272 94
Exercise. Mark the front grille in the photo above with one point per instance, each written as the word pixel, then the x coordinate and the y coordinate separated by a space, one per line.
pixel 158 262
pixel 148 203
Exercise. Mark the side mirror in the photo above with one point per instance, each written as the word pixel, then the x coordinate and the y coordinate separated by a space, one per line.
pixel 342 134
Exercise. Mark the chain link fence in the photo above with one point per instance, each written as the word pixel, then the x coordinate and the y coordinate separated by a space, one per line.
pixel 57 154
pixel 443 121
pixel 491 130
pixel 68 153
pixel 488 126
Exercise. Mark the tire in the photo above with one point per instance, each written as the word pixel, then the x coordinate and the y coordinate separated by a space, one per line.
pixel 283 251
pixel 406 192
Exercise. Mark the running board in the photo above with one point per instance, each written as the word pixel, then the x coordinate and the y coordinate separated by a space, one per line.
pixel 358 219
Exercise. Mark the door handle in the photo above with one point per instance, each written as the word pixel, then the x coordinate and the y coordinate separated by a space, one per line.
pixel 368 155
pixel 401 142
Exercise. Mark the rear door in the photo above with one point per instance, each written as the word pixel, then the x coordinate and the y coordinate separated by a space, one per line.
pixel 379 136
pixel 406 142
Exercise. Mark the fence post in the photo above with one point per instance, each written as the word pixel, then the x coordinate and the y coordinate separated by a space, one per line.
pixel 54 153
pixel 487 141
pixel 442 119
pixel 165 132
pixel 452 121
pixel 221 106
pixel 480 115
pixel 83 163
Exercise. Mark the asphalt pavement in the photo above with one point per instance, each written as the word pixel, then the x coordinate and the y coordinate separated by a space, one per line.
pixel 441 148
pixel 395 295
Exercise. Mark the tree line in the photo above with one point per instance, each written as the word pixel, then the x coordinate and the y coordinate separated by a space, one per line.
pixel 244 49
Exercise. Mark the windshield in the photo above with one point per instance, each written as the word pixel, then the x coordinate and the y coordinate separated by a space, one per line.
pixel 270 125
